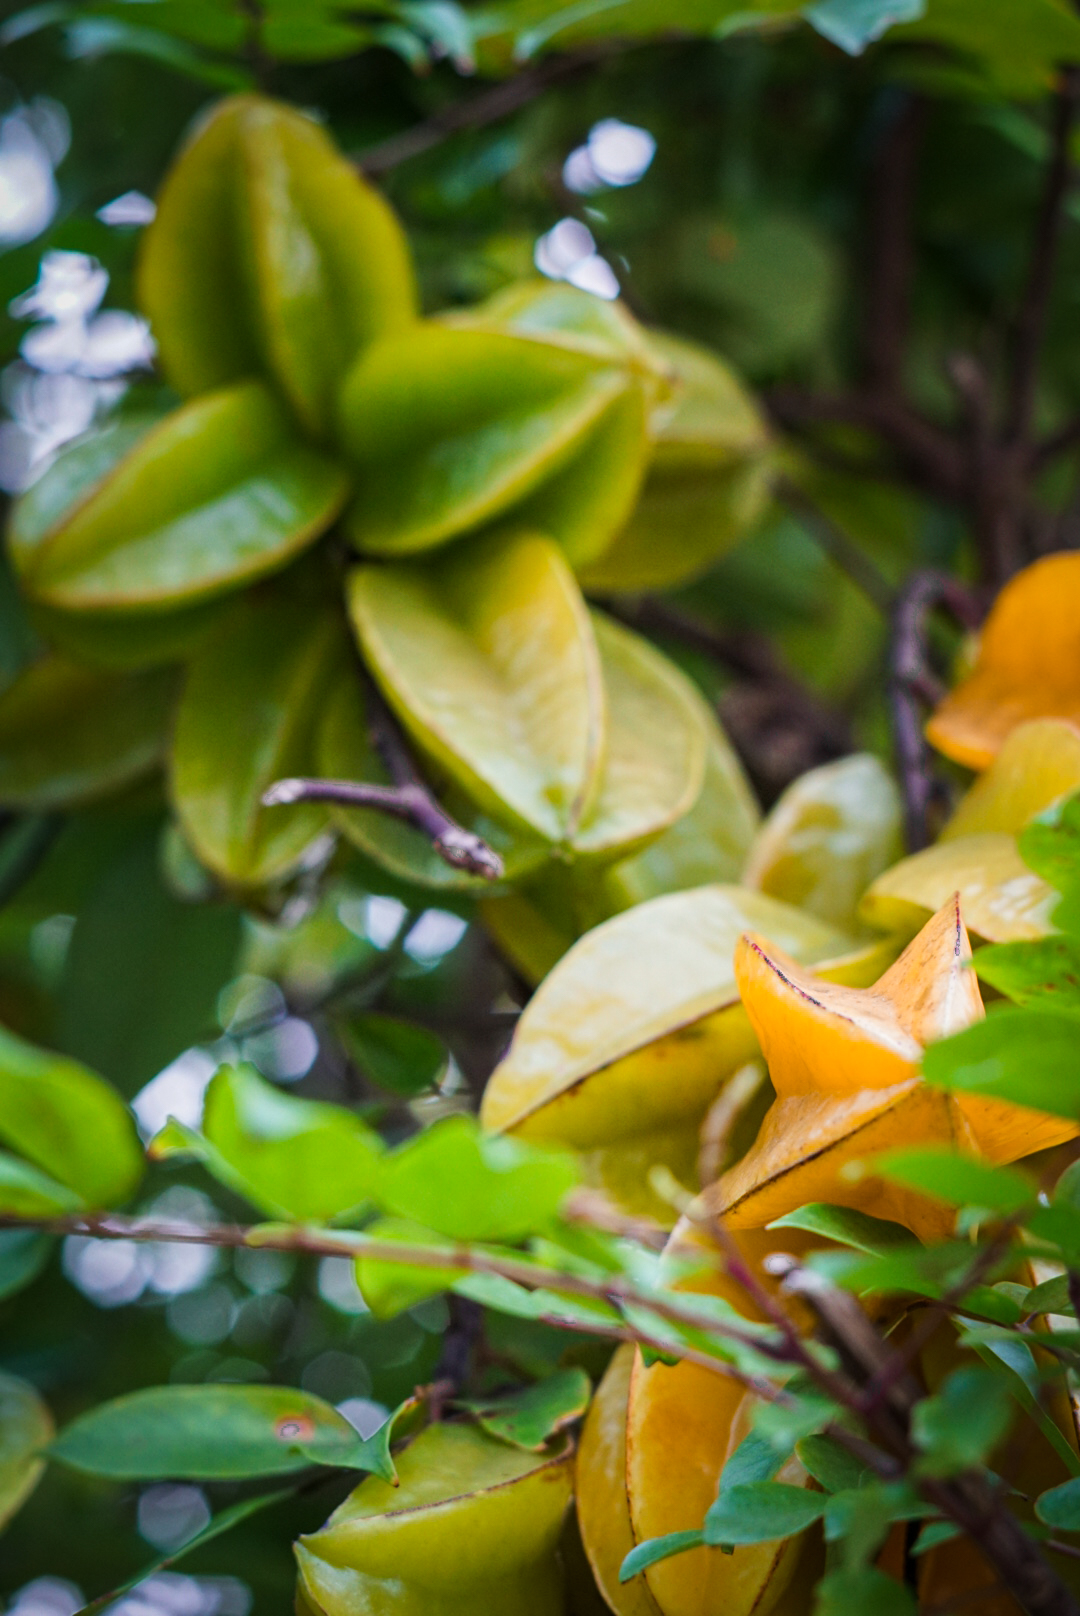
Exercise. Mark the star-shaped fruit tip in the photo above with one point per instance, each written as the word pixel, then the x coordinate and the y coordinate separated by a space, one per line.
pixel 845 1066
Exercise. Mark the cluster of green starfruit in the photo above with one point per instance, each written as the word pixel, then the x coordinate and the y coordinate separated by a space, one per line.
pixel 342 475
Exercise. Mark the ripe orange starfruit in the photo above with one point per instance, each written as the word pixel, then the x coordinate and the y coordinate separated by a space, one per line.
pixel 1028 664
pixel 845 1066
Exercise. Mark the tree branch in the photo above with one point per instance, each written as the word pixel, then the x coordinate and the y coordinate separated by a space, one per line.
pixel 489 106
pixel 912 685
pixel 1034 306
pixel 408 798
pixel 891 255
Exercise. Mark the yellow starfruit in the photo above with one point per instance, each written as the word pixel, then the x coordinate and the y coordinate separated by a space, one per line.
pixel 625 1044
pixel 1027 666
pixel 845 1066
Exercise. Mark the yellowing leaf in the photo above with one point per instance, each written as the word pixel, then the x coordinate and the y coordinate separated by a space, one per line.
pixel 248 717
pixel 707 482
pixel 157 516
pixel 624 1046
pixel 1003 900
pixel 489 658
pixel 270 255
pixel 845 1066
pixel 70 734
pixel 1028 664
pixel 473 1526
pixel 833 830
pixel 1038 764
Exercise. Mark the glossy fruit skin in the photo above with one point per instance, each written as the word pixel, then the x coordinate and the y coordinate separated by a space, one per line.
pixel 683 1423
pixel 270 255
pixel 473 1526
pixel 600 1487
pixel 1027 665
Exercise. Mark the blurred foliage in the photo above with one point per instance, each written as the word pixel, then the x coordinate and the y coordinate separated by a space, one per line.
pixel 748 233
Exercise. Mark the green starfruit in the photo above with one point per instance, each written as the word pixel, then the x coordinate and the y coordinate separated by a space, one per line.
pixel 474 1525
pixel 271 256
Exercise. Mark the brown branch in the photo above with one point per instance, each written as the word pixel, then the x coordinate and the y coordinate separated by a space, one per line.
pixel 891 255
pixel 408 798
pixel 927 453
pixel 489 106
pixel 1034 306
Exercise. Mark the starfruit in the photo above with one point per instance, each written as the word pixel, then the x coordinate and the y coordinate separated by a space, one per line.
pixel 248 716
pixel 449 427
pixel 270 256
pixel 683 1422
pixel 831 832
pixel 473 1526
pixel 70 734
pixel 566 727
pixel 150 515
pixel 845 1066
pixel 977 856
pixel 707 483
pixel 1027 666
pixel 603 1508
pixel 625 1044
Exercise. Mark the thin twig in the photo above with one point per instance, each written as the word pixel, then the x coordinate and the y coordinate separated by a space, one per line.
pixel 408 798
pixel 489 106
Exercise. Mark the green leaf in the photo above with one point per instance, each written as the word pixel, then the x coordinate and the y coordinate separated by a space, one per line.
pixel 469 1185
pixel 248 714
pixel 658 1548
pixel 761 1511
pixel 854 24
pixel 755 1459
pixel 25 1428
pixel 434 460
pixel 68 1122
pixel 843 1592
pixel 1024 1056
pixel 1060 1506
pixel 1052 1296
pixel 934 1533
pixel 786 1424
pixel 215 495
pixel 271 255
pixel 397 1055
pixel 961 1424
pixel 531 1417
pixel 1050 845
pixel 490 661
pixel 860 1519
pixel 1044 971
pixel 70 734
pixel 833 1466
pixel 23 1255
pixel 959 1180
pixel 298 1159
pixel 143 970
pixel 123 642
pixel 390 1288
pixel 847 1227
pixel 206 1433
pixel 27 1193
